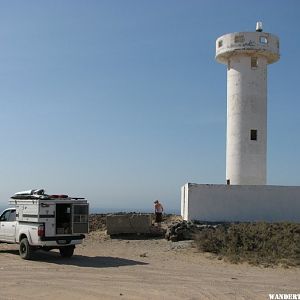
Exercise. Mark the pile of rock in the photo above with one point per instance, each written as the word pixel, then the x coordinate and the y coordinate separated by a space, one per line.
pixel 97 222
pixel 184 230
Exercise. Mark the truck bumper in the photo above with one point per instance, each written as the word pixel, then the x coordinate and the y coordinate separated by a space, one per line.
pixel 61 240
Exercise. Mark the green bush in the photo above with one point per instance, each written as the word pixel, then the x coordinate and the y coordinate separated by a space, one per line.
pixel 257 243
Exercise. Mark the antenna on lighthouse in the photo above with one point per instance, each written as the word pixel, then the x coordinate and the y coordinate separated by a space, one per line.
pixel 259 26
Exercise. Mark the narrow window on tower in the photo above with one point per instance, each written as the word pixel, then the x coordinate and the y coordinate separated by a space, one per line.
pixel 254 62
pixel 228 65
pixel 253 135
pixel 220 43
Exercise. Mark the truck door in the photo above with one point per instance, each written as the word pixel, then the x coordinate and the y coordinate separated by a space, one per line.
pixel 80 218
pixel 8 226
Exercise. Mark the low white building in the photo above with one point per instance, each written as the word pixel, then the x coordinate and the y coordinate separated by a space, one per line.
pixel 216 202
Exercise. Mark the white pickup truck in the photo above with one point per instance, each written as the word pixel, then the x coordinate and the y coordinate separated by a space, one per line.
pixel 45 222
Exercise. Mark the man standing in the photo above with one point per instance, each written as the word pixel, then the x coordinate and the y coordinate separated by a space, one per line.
pixel 158 211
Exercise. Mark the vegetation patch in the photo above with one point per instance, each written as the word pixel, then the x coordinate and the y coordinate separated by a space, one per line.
pixel 257 243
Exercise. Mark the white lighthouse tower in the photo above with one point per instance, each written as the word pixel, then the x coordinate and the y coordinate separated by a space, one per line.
pixel 247 55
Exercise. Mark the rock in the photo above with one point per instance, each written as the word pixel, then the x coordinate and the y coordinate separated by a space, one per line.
pixel 182 245
pixel 97 222
pixel 184 230
pixel 173 238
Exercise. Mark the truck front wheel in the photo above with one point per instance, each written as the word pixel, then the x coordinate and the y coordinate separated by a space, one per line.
pixel 66 251
pixel 25 249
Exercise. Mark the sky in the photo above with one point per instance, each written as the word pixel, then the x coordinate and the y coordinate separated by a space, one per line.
pixel 122 101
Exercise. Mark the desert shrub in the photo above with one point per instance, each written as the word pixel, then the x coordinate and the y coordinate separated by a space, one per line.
pixel 257 243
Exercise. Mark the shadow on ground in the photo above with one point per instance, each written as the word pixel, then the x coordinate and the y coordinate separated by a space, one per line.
pixel 52 257
pixel 133 236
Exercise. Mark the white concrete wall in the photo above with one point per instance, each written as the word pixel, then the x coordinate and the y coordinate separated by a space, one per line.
pixel 184 201
pixel 208 202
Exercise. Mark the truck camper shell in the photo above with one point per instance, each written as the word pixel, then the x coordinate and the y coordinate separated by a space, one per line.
pixel 62 215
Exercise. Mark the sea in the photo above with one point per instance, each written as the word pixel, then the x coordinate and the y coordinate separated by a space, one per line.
pixel 95 210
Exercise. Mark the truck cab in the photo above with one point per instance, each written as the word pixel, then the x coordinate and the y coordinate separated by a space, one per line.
pixel 8 226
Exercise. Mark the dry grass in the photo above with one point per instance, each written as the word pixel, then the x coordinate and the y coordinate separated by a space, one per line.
pixel 257 243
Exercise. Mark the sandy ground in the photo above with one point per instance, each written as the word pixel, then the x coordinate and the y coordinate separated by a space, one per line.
pixel 104 268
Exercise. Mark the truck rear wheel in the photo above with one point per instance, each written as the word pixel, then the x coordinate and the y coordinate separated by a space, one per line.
pixel 25 249
pixel 66 251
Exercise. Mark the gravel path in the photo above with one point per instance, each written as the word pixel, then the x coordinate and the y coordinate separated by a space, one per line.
pixel 104 268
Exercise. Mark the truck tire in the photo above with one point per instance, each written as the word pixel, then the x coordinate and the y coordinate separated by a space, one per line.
pixel 66 251
pixel 25 249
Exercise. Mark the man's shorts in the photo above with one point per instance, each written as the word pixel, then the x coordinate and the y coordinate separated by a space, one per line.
pixel 158 217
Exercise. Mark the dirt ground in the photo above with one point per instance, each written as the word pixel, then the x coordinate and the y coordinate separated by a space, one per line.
pixel 104 268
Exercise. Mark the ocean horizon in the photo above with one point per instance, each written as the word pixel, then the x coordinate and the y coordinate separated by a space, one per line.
pixel 97 210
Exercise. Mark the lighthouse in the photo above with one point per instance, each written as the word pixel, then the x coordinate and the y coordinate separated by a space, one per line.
pixel 246 197
pixel 246 55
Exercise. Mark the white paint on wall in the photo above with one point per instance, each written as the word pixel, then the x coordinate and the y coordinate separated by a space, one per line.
pixel 209 202
pixel 247 55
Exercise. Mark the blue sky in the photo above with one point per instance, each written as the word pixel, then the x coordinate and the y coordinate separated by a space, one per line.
pixel 123 102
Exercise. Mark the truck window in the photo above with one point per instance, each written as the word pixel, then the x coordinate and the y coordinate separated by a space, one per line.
pixel 12 216
pixel 5 216
pixel 80 218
